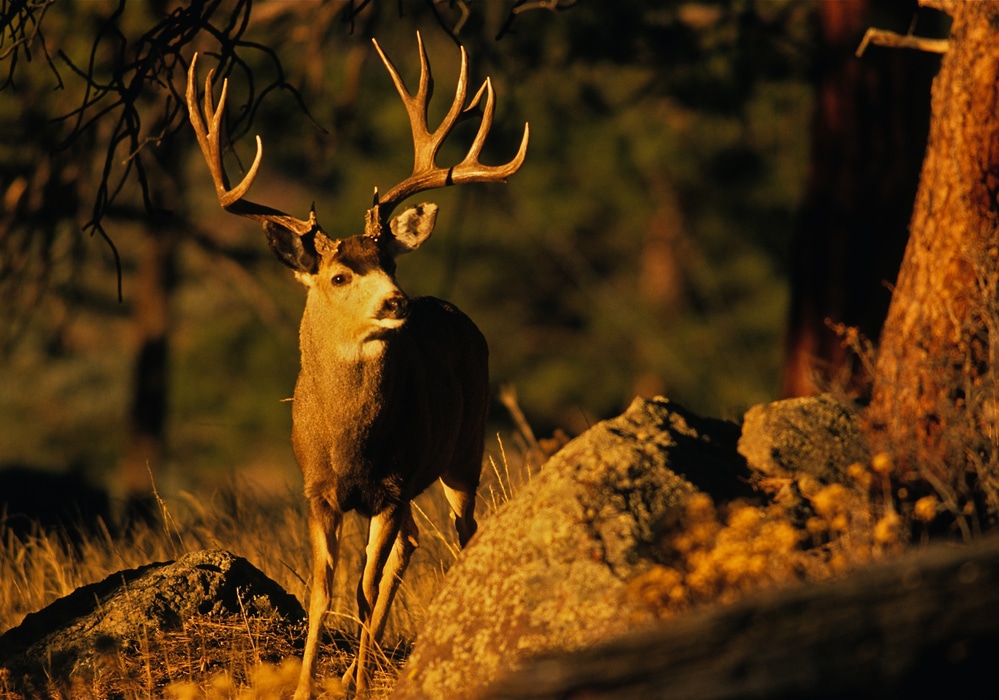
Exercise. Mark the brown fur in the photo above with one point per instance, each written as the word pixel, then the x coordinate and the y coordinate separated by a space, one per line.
pixel 392 395
pixel 378 430
pixel 393 392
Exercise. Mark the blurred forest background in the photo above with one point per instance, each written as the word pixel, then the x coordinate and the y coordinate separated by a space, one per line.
pixel 707 183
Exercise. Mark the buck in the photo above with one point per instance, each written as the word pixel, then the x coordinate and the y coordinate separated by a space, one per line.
pixel 393 391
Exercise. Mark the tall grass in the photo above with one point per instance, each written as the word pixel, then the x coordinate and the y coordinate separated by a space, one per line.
pixel 241 658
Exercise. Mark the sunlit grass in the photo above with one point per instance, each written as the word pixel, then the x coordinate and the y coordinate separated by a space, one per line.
pixel 713 554
pixel 233 657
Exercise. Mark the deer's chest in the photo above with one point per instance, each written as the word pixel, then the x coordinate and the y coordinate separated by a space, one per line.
pixel 354 453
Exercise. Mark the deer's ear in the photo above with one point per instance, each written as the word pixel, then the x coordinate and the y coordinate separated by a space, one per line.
pixel 297 252
pixel 411 229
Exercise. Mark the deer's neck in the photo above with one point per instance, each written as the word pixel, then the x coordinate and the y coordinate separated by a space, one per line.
pixel 342 384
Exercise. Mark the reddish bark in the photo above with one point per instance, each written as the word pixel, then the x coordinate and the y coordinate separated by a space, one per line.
pixel 932 399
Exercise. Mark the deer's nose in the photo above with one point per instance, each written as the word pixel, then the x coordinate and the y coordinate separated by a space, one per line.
pixel 394 306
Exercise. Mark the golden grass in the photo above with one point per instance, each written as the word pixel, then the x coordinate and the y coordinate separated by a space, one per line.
pixel 238 657
pixel 713 554
pixel 954 459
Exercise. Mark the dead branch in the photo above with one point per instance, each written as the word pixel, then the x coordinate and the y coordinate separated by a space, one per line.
pixel 884 37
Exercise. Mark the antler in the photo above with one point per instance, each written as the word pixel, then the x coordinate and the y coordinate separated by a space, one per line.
pixel 232 198
pixel 426 173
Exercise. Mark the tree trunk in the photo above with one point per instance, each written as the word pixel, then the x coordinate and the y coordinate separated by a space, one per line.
pixel 148 413
pixel 933 403
pixel 868 138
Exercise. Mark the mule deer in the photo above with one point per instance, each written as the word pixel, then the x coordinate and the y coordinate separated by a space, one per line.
pixel 393 391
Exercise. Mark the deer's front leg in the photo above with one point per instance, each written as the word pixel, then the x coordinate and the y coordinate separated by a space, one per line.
pixel 324 533
pixel 392 539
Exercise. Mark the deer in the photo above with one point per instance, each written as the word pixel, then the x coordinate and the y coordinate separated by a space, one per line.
pixel 393 391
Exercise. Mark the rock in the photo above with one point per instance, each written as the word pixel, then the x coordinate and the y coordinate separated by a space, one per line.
pixel 924 625
pixel 33 498
pixel 548 571
pixel 64 641
pixel 815 435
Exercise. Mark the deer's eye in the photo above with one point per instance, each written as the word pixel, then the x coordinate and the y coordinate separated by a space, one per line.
pixel 341 279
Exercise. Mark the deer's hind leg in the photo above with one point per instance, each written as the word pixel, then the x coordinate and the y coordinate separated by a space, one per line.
pixel 461 477
pixel 461 497
pixel 392 539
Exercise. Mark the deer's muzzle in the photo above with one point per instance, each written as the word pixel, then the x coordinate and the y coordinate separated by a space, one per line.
pixel 395 306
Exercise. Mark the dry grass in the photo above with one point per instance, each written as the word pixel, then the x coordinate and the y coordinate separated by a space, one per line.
pixel 954 457
pixel 713 554
pixel 238 657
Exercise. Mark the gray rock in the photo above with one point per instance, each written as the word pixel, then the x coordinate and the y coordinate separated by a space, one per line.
pixel 815 435
pixel 922 626
pixel 64 639
pixel 548 572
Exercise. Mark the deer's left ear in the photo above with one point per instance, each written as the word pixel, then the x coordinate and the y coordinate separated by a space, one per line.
pixel 297 252
pixel 411 229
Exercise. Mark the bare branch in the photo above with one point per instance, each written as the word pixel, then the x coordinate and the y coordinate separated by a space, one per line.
pixel 21 24
pixel 884 37
pixel 129 82
pixel 522 6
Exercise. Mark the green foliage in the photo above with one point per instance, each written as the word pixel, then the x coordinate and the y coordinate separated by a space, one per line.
pixel 640 248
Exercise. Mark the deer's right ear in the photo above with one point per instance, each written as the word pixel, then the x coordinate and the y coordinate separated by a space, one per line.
pixel 412 228
pixel 297 252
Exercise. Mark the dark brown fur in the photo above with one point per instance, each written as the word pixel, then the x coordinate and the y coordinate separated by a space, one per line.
pixel 392 395
pixel 393 392
pixel 370 453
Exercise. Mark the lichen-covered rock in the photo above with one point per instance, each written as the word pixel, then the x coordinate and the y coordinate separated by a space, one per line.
pixel 63 641
pixel 814 435
pixel 922 626
pixel 548 572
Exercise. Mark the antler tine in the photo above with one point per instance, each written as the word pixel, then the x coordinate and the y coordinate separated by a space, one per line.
pixel 426 143
pixel 227 196
pixel 426 173
pixel 470 169
pixel 232 198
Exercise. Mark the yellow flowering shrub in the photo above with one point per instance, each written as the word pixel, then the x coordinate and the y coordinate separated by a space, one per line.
pixel 717 554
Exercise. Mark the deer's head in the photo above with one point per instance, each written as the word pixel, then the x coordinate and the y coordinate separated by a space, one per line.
pixel 354 277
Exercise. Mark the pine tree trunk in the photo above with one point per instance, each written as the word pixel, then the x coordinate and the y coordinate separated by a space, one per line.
pixel 868 137
pixel 933 397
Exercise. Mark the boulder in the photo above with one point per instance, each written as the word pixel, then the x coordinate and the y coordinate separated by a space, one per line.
pixel 815 435
pixel 924 625
pixel 549 571
pixel 33 498
pixel 63 643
